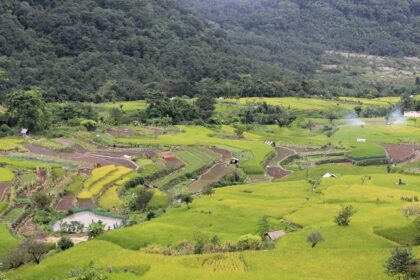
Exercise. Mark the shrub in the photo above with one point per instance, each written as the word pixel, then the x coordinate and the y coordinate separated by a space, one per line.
pixel 65 243
pixel 249 242
pixel 95 229
pixel 401 263
pixel 314 238
pixel 343 217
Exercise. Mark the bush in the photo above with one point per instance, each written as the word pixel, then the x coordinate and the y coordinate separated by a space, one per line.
pixel 402 263
pixel 314 238
pixel 343 217
pixel 249 242
pixel 65 243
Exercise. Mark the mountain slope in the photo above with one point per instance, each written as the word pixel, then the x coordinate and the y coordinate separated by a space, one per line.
pixel 105 49
pixel 294 33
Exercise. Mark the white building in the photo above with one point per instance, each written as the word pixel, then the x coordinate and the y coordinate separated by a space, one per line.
pixel 412 114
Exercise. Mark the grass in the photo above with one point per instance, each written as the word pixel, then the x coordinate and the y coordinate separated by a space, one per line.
pixel 159 200
pixel 367 151
pixel 24 163
pixel 101 178
pixel 198 135
pixel 6 175
pixel 8 242
pixel 13 215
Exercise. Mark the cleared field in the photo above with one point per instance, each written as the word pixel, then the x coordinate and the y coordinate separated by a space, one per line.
pixel 24 163
pixel 101 178
pixel 198 135
pixel 128 106
pixel 6 175
pixel 7 144
pixel 310 104
pixel 234 211
pixel 213 175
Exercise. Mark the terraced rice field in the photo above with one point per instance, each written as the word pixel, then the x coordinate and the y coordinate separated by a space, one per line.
pixel 194 159
pixel 6 175
pixel 8 242
pixel 101 178
pixel 201 136
pixel 234 211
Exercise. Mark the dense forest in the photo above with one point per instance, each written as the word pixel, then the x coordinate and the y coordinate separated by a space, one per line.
pixel 98 50
pixel 295 33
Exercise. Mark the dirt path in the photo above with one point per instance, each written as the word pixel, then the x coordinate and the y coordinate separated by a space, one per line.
pixel 75 239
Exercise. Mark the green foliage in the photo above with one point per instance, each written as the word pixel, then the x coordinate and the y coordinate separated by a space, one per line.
pixel 401 263
pixel 95 229
pixel 249 242
pixel 314 238
pixel 27 110
pixel 263 226
pixel 65 243
pixel 89 124
pixel 343 217
pixel 89 272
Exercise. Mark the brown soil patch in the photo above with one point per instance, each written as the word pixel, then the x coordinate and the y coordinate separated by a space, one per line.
pixel 87 203
pixel 401 152
pixel 277 172
pixel 3 189
pixel 94 159
pixel 226 155
pixel 213 175
pixel 75 239
pixel 170 159
pixel 66 203
pixel 121 132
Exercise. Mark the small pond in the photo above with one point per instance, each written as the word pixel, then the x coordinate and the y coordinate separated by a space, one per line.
pixel 86 218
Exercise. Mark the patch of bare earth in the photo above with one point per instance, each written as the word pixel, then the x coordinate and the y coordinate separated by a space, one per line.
pixel 226 155
pixel 87 204
pixel 213 175
pixel 171 160
pixel 3 189
pixel 277 172
pixel 66 203
pixel 402 152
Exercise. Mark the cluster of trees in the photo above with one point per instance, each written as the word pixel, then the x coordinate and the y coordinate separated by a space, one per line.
pixel 29 251
pixel 263 113
pixel 164 110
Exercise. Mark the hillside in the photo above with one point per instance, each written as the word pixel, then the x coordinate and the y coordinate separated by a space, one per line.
pixel 105 50
pixel 296 33
pixel 96 50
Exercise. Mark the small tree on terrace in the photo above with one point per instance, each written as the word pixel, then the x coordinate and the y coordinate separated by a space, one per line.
pixel 40 199
pixel 143 197
pixel 314 238
pixel 186 198
pixel 401 264
pixel 263 226
pixel 35 249
pixel 343 217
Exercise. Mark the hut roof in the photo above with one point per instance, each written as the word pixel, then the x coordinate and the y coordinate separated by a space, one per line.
pixel 273 235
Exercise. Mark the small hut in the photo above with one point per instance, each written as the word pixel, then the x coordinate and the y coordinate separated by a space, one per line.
pixel 329 175
pixel 234 161
pixel 24 132
pixel 274 235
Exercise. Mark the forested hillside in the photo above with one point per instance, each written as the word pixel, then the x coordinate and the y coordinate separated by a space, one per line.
pixel 104 49
pixel 295 33
pixel 98 50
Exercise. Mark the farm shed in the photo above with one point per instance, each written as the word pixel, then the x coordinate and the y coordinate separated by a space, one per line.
pixel 273 235
pixel 24 132
pixel 234 161
pixel 329 175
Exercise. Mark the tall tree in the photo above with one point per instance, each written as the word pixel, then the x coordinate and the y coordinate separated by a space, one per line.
pixel 27 109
